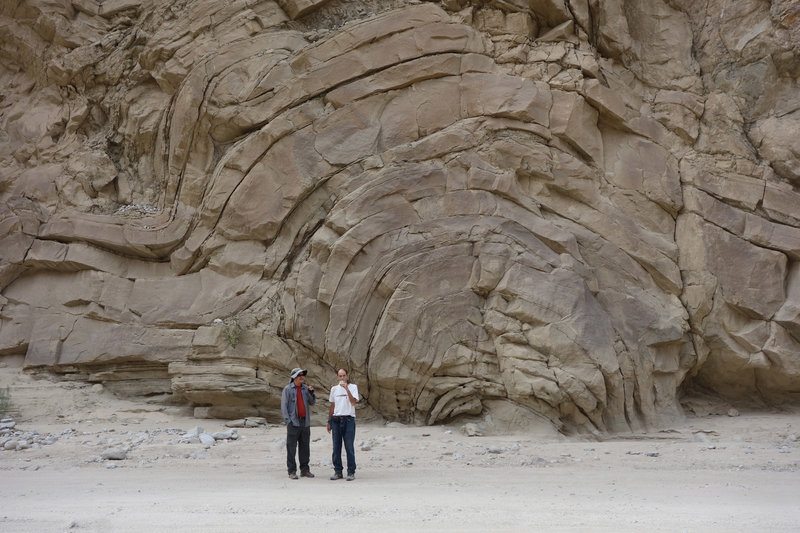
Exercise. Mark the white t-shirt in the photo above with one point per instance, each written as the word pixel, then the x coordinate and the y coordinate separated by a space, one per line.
pixel 341 402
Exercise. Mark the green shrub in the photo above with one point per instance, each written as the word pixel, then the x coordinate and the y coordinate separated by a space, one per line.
pixel 5 401
pixel 232 330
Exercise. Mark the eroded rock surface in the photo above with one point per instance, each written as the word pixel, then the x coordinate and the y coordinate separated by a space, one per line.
pixel 534 210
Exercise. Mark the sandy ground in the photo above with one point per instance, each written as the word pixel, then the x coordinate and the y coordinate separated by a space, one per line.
pixel 707 474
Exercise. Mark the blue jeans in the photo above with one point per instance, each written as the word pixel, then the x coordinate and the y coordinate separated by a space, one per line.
pixel 343 429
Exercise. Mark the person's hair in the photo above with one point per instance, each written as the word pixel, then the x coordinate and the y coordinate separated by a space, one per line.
pixel 345 371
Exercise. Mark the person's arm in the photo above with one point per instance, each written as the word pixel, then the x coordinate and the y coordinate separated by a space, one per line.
pixel 330 415
pixel 353 399
pixel 284 407
pixel 312 398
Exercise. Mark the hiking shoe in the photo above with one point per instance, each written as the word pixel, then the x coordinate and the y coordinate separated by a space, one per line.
pixel 293 475
pixel 336 475
pixel 351 477
pixel 306 474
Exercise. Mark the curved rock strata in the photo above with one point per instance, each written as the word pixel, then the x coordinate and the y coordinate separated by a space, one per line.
pixel 535 211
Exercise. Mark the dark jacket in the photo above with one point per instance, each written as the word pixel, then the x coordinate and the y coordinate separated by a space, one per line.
pixel 289 404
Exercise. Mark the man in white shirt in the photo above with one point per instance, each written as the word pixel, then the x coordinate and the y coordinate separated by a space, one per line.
pixel 342 423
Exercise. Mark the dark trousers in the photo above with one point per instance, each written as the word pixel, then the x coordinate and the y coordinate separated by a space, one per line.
pixel 343 429
pixel 297 437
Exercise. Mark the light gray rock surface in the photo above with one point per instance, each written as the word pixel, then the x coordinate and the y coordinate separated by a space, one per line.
pixel 541 213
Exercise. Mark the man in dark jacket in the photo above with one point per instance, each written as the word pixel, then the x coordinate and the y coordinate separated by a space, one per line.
pixel 296 401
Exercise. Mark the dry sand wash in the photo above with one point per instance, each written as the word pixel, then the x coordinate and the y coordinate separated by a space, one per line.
pixel 712 473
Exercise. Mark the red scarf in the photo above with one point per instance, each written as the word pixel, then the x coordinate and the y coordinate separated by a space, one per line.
pixel 301 407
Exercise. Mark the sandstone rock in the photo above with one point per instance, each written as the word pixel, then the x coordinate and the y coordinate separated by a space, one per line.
pixel 207 440
pixel 114 455
pixel 472 430
pixel 576 122
pixel 536 212
pixel 230 434
pixel 770 139
pixel 246 422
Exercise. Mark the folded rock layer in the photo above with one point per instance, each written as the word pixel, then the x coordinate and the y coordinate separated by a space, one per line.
pixel 535 212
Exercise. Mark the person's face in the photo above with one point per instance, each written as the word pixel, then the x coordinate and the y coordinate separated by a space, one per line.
pixel 342 375
pixel 299 380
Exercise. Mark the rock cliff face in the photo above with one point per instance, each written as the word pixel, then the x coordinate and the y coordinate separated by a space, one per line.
pixel 561 211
